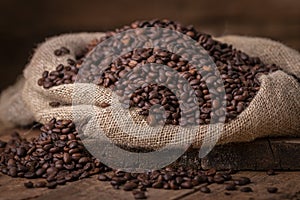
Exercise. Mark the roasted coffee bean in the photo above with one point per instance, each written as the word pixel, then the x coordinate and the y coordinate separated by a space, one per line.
pixel 67 158
pixel 230 187
pixel 246 189
pixel 130 186
pixel 186 185
pixel 103 177
pixel 139 195
pixel 61 51
pixel 211 172
pixel 40 184
pixel 40 172
pixel 13 171
pixel 218 179
pixel 272 189
pixel 85 174
pixel 52 185
pixel 2 144
pixel 61 182
pixel 58 52
pixel 157 185
pixel 29 175
pixel 83 160
pixel 28 184
pixel 242 181
pixel 204 189
pixel 39 157
pixel 54 104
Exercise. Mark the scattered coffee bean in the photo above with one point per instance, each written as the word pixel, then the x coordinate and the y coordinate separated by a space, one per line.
pixel 187 185
pixel 52 185
pixel 230 187
pixel 28 184
pixel 246 189
pixel 272 189
pixel 130 186
pixel 40 184
pixel 103 177
pixel 61 51
pixel 56 155
pixel 54 104
pixel 205 189
pixel 242 181
pixel 2 144
pixel 139 195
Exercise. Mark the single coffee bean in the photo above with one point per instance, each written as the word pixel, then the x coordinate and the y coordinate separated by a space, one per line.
pixel 246 189
pixel 67 158
pixel 61 182
pixel 139 195
pixel 272 189
pixel 242 181
pixel 58 52
pixel 211 172
pixel 219 179
pixel 40 184
pixel 54 104
pixel 204 189
pixel 40 171
pixel 64 50
pixel 130 186
pixel 52 185
pixel 29 175
pixel 28 184
pixel 12 171
pixel 157 185
pixel 187 185
pixel 230 187
pixel 103 177
pixel 83 160
pixel 2 144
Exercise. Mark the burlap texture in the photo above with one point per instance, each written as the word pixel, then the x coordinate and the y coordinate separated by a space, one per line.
pixel 275 110
pixel 13 110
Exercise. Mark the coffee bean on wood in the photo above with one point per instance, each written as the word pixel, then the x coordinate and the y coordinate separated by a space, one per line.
pixel 57 155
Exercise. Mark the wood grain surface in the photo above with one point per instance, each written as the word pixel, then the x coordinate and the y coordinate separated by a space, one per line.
pixel 287 182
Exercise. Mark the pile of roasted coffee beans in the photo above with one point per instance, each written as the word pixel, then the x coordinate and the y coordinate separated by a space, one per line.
pixel 57 155
pixel 239 73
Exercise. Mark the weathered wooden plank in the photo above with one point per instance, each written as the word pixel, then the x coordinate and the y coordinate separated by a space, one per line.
pixel 261 154
pixel 286 182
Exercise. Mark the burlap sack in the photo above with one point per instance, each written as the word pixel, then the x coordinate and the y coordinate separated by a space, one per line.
pixel 275 110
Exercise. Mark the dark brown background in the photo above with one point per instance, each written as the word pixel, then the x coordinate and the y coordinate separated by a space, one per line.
pixel 24 24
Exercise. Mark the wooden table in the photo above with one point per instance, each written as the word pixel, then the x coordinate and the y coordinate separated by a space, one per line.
pixel 288 184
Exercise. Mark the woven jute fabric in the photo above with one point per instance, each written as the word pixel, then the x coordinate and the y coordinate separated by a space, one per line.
pixel 274 111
